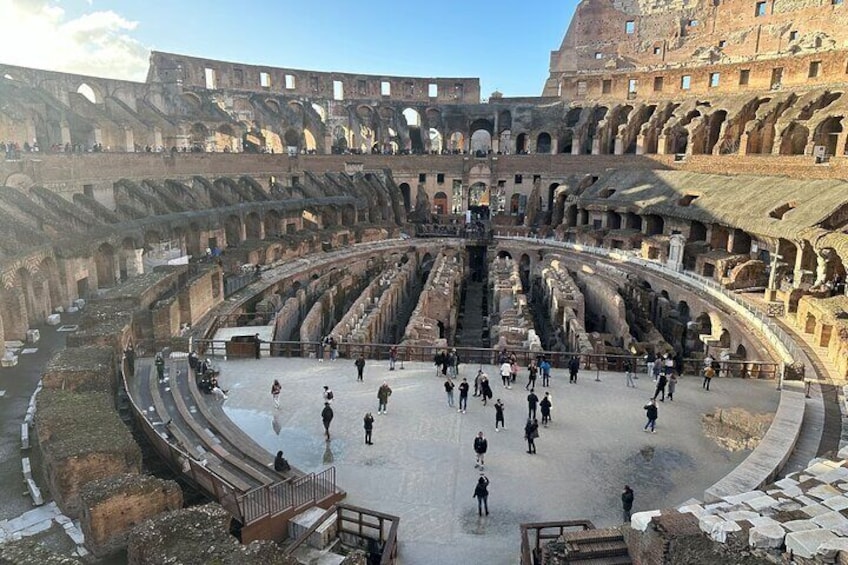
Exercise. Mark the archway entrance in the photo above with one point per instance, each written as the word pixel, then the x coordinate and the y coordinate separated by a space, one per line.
pixel 478 201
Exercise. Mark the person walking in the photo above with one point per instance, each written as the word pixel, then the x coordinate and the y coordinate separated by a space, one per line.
pixel 709 373
pixel 321 344
pixel 463 396
pixel 532 403
pixel 481 493
pixel 672 385
pixel 159 362
pixel 328 395
pixel 573 368
pixel 626 503
pixel 129 355
pixel 545 368
pixel 485 389
pixel 257 343
pixel 360 366
pixel 275 393
pixel 383 394
pixel 531 432
pixel 545 406
pixel 506 371
pixel 449 391
pixel 393 354
pixel 513 371
pixel 662 380
pixel 652 413
pixel 650 360
pixel 451 363
pixel 368 422
pixel 531 377
pixel 499 415
pixel 334 349
pixel 628 373
pixel 438 361
pixel 481 445
pixel 326 418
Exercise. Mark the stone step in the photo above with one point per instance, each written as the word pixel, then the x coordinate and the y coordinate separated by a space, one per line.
pixel 595 544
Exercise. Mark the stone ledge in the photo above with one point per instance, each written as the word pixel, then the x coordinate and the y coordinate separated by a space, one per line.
pixel 771 454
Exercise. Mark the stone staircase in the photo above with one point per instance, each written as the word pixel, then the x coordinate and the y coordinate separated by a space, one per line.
pixel 596 547
pixel 474 310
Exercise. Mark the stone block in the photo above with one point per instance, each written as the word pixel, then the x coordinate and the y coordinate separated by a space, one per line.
pixel 830 550
pixel 843 452
pixel 640 520
pixel 743 497
pixel 786 483
pixel 764 521
pixel 836 502
pixel 823 492
pixel 721 529
pixel 112 507
pixel 707 522
pixel 761 503
pixel 695 509
pixel 814 510
pixel 800 525
pixel 836 475
pixel 739 515
pixel 806 543
pixel 766 537
pixel 81 369
pixel 33 336
pixel 821 467
pixel 833 521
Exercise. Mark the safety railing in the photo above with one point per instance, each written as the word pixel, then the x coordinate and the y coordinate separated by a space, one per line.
pixel 534 535
pixel 471 358
pixel 287 497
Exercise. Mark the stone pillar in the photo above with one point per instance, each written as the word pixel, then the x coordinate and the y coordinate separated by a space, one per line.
pixel 157 138
pixel 576 144
pixel 743 144
pixel 800 257
pixel 65 133
pixel 129 140
pixel 661 145
pixel 134 261
pixel 328 143
pixel 640 144
pixel 596 146
pixel 98 135
pixel 676 244
pixel 618 148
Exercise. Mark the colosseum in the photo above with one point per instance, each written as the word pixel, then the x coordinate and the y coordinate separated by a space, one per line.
pixel 673 202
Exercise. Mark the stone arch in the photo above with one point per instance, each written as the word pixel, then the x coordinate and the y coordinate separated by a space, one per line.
pixel 273 105
pixel 697 231
pixel 552 195
pixel 198 135
pixel 436 142
pixel 226 140
pixel 504 120
pixel 34 307
pixel 481 131
pixel 272 223
pixel 714 126
pixel 827 132
pixel 192 100
pixel 50 276
pixel 566 141
pixel 543 143
pixel 456 142
pixel 504 254
pixel 413 126
pixel 521 143
pixel 405 194
pixel 322 113
pixel 232 230
pixel 654 224
pixel 291 138
pixel 571 216
pixel 104 264
pixel 90 93
pixel 793 140
pixel 309 143
pixel 440 203
pixel 253 226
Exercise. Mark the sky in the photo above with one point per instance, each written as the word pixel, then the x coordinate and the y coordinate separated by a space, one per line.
pixel 505 43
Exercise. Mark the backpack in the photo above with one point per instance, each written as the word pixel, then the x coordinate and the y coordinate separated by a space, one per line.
pixel 329 395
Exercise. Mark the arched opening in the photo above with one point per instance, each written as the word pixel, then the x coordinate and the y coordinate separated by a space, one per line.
pixel 481 137
pixel 551 194
pixel 340 140
pixel 827 134
pixel 543 143
pixel 322 113
pixel 456 143
pixel 478 199
pixel 794 139
pixel 226 140
pixel 566 141
pixel 232 231
pixel 521 143
pixel 89 93
pixel 104 262
pixel 405 194
pixel 253 226
pixel 715 122
pixel 197 137
pixel 292 140
pixel 502 254
pixel 654 225
pixel 413 125
pixel 697 231
pixel 436 145
pixel 515 204
pixel 440 203
pixel 309 141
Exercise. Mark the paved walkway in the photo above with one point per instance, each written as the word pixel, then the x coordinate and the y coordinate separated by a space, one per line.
pixel 421 466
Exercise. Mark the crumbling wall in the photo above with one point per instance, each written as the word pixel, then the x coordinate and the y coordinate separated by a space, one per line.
pixel 511 321
pixel 111 507
pixel 81 369
pixel 439 302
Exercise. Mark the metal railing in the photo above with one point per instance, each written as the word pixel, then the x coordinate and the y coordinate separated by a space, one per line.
pixel 287 497
pixel 542 532
pixel 471 358
pixel 782 342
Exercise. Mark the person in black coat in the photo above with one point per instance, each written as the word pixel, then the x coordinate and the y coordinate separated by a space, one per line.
pixel 368 422
pixel 129 355
pixel 573 368
pixel 485 389
pixel 532 402
pixel 626 503
pixel 661 382
pixel 531 432
pixel 652 413
pixel 326 418
pixel 280 463
pixel 481 493
pixel 545 406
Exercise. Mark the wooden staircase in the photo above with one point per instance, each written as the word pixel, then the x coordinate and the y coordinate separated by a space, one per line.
pixel 596 547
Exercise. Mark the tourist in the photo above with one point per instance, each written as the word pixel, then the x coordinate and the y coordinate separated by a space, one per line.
pixel 368 422
pixel 513 371
pixel 275 393
pixel 439 362
pixel 545 406
pixel 499 415
pixel 668 364
pixel 219 393
pixel 393 354
pixel 383 394
pixel 531 378
pixel 449 391
pixel 258 345
pixel 334 349
pixel 326 418
pixel 280 463
pixel 662 380
pixel 672 384
pixel 485 389
pixel 451 362
pixel 481 493
pixel 573 368
pixel 626 503
pixel 193 361
pixel 545 367
pixel 652 413
pixel 709 373
pixel 532 402
pixel 463 396
pixel 650 360
pixel 477 380
pixel 328 395
pixel 531 432
pixel 321 343
pixel 506 371
pixel 628 373
pixel 481 445
pixel 129 355
pixel 360 366
pixel 159 362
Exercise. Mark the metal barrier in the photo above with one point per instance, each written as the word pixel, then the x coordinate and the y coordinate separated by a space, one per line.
pixel 287 497
pixel 531 551
pixel 470 356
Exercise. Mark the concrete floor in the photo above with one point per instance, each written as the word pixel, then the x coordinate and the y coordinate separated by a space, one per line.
pixel 421 466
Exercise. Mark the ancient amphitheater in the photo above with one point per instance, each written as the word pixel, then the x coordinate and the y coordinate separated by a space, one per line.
pixel 677 189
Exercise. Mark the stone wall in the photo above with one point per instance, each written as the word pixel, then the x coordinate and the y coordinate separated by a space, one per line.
pixel 566 306
pixel 113 506
pixel 82 369
pixel 438 302
pixel 511 321
pixel 82 439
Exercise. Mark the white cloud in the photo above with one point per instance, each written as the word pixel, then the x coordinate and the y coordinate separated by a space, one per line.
pixel 96 43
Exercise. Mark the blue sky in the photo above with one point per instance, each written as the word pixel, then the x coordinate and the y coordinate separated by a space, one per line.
pixel 506 44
